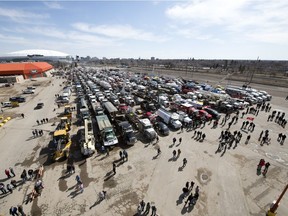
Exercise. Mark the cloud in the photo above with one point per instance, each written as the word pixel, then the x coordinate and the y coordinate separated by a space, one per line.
pixel 119 32
pixel 52 4
pixel 250 18
pixel 21 16
pixel 64 35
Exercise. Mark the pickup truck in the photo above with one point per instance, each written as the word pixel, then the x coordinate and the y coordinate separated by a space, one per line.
pixel 28 91
pixel 18 99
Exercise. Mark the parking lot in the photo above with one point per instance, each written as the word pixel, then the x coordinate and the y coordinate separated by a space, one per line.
pixel 227 180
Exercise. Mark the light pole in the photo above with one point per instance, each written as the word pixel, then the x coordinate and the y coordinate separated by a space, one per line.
pixel 272 210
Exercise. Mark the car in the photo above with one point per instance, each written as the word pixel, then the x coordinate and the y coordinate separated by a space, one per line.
pixel 18 99
pixel 6 104
pixel 162 128
pixel 28 91
pixel 39 106
pixel 213 113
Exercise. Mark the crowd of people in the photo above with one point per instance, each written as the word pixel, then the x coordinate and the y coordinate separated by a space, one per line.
pixel 25 176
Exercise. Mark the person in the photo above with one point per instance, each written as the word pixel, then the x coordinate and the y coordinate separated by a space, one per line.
pixel 187 184
pixel 157 139
pixel 121 155
pixel 179 152
pixel 33 133
pixel 13 183
pixel 9 188
pixel 174 140
pixel 203 136
pixel 191 185
pixel 7 172
pixel 125 154
pixel 114 168
pixel 142 204
pixel 20 210
pixel 174 153
pixel 78 179
pixel 260 165
pixel 102 195
pixel 2 188
pixel 197 190
pixel 72 168
pixel 158 151
pixel 22 114
pixel 13 211
pixel 184 162
pixel 248 138
pixel 154 209
pixel 260 136
pixel 12 171
pixel 69 169
pixel 265 169
pixel 81 187
pixel 46 120
pixel 38 122
pixel 147 210
pixel 139 210
pixel 180 140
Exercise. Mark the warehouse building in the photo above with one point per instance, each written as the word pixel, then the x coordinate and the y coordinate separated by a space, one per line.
pixel 26 69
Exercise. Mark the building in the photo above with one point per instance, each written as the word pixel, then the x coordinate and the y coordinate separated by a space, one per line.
pixel 26 69
pixel 36 55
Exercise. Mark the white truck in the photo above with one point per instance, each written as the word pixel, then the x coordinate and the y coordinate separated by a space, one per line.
pixel 146 128
pixel 106 131
pixel 169 118
pixel 87 140
pixel 183 117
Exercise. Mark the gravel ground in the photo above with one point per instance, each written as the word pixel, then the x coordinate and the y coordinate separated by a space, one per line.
pixel 228 182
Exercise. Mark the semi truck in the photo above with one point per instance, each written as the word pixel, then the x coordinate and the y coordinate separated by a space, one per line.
pixel 106 131
pixel 146 128
pixel 169 118
pixel 125 130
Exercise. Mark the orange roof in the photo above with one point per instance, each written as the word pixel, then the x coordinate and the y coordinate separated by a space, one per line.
pixel 25 66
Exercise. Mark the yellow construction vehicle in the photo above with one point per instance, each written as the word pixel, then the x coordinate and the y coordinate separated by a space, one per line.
pixel 15 104
pixel 65 124
pixel 62 142
pixel 68 112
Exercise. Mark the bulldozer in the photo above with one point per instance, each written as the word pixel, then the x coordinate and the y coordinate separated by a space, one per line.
pixel 62 143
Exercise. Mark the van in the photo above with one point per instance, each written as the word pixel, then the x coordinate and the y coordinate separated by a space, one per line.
pixel 6 104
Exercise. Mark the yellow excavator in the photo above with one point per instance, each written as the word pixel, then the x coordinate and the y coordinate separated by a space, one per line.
pixel 62 142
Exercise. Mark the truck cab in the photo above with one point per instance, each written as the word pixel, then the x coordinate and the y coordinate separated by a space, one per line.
pixel 147 129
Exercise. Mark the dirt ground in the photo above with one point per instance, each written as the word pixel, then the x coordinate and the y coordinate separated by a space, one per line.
pixel 228 181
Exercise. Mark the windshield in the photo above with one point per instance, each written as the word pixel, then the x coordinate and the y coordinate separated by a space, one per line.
pixel 148 126
pixel 109 135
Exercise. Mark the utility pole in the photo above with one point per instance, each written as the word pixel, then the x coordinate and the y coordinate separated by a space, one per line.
pixel 251 77
pixel 272 210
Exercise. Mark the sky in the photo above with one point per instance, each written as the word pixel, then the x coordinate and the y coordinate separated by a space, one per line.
pixel 200 29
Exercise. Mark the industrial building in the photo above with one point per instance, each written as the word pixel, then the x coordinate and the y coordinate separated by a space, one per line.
pixel 26 69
